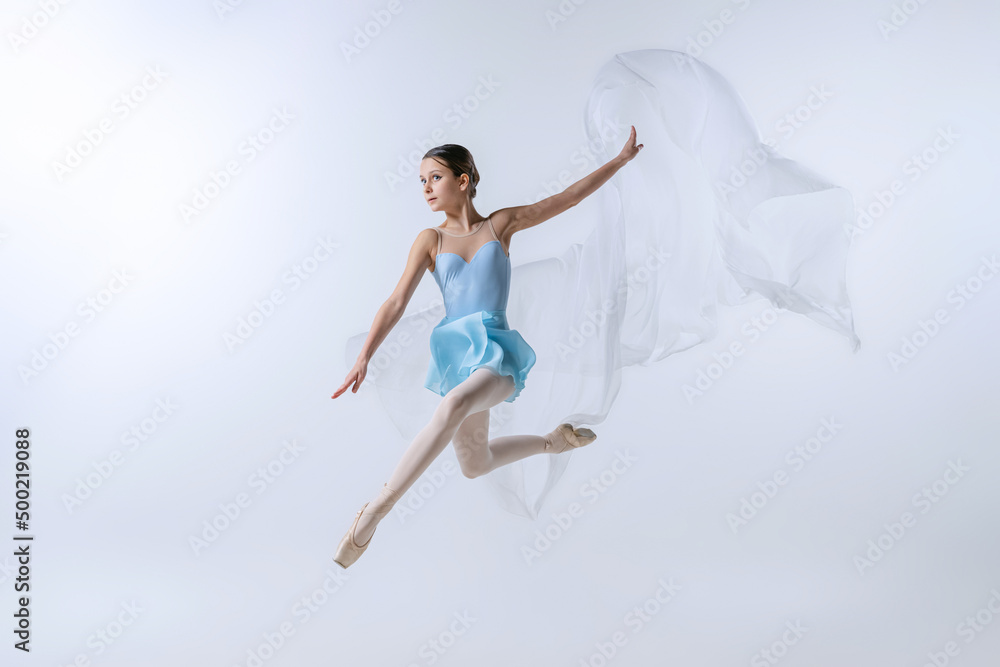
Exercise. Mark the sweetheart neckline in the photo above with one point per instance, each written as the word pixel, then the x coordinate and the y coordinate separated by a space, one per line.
pixel 476 254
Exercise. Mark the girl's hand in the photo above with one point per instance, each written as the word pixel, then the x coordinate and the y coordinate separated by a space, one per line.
pixel 355 375
pixel 630 150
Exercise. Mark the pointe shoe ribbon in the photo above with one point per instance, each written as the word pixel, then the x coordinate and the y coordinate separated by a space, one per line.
pixel 348 551
pixel 565 436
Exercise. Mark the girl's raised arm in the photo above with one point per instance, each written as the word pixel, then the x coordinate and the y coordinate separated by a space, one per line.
pixel 524 217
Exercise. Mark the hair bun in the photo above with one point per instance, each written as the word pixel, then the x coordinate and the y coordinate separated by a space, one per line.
pixel 459 160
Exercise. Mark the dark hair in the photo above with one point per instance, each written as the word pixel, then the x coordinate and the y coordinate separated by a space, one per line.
pixel 459 160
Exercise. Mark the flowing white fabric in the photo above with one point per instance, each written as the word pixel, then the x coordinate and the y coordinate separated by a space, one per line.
pixel 705 214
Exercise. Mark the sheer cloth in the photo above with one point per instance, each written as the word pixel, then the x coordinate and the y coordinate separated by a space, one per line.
pixel 705 214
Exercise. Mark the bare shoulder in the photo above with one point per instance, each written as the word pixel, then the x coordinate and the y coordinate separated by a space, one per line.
pixel 426 244
pixel 426 236
pixel 421 256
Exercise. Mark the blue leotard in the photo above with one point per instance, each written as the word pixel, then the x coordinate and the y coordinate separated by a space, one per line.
pixel 474 331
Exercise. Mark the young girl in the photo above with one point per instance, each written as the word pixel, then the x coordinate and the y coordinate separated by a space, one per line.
pixel 477 361
pixel 712 215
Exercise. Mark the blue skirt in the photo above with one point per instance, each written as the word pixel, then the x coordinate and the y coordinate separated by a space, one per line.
pixel 460 345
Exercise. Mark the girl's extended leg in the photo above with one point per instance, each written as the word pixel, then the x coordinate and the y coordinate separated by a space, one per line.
pixel 481 391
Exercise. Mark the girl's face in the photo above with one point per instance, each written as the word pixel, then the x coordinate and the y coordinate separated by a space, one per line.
pixel 441 188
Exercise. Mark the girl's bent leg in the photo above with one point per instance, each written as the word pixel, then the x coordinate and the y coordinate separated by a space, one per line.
pixel 478 455
pixel 481 391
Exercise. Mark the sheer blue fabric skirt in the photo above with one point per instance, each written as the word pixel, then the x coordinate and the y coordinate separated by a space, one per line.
pixel 460 345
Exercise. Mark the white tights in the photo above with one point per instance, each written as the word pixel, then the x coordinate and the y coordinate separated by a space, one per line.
pixel 463 418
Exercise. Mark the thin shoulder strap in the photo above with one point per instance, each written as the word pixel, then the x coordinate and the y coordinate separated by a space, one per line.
pixel 489 222
pixel 439 238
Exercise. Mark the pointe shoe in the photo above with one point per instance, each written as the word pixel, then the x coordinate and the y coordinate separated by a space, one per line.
pixel 348 550
pixel 566 437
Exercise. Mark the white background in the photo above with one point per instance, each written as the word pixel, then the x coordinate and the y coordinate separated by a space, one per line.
pixel 161 337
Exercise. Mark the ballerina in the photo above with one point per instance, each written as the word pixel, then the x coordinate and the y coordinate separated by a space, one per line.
pixel 713 216
pixel 477 361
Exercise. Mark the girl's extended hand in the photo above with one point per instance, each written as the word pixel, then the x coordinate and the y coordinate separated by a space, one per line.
pixel 355 375
pixel 630 150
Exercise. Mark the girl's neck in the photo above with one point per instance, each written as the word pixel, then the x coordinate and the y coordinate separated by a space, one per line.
pixel 464 221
